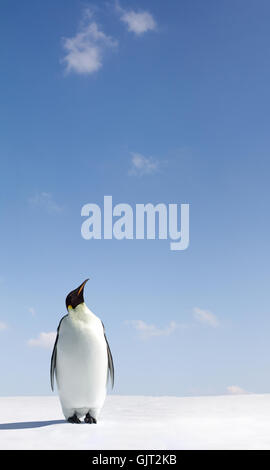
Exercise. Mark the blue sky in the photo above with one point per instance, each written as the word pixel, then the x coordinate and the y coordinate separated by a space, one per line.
pixel 85 86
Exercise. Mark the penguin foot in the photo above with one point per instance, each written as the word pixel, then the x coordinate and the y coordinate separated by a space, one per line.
pixel 74 419
pixel 89 419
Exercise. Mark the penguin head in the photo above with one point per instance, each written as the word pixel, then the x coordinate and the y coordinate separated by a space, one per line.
pixel 75 297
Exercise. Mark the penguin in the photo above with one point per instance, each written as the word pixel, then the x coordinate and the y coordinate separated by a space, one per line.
pixel 81 361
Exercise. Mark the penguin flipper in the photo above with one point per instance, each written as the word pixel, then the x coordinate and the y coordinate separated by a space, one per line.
pixel 54 353
pixel 110 360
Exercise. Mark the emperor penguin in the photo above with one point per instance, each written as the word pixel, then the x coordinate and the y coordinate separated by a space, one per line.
pixel 81 361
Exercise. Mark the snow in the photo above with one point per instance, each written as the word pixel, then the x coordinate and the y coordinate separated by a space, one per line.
pixel 139 422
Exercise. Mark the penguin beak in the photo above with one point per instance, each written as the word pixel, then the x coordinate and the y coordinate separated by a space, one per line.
pixel 81 287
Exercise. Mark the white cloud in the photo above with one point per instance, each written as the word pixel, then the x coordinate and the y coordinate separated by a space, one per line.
pixel 141 165
pixel 32 311
pixel 46 202
pixel 137 22
pixel 235 390
pixel 85 50
pixel 44 340
pixel 147 331
pixel 204 316
pixel 3 326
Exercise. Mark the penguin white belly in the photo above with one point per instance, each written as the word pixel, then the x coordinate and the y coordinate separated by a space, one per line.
pixel 81 365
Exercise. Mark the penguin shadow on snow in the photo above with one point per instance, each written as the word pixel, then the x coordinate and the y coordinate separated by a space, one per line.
pixel 30 424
